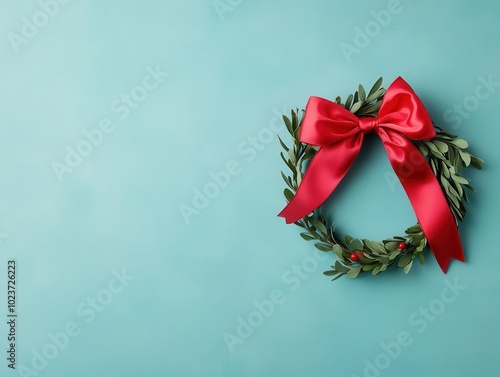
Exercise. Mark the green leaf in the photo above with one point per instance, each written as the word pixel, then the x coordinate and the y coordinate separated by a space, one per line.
pixel 460 143
pixel 391 246
pixel 443 147
pixel 348 239
pixel 319 225
pixel 356 244
pixel 323 246
pixel 466 158
pixel 434 150
pixel 459 179
pixel 340 267
pixel 423 149
pixel 376 270
pixel 287 180
pixel 375 95
pixel 283 145
pixel 394 254
pixel 470 188
pixel 338 252
pixel 476 160
pixel 375 246
pixel 445 169
pixel 295 122
pixel 348 103
pixel 356 107
pixel 362 93
pixel 338 277
pixel 288 124
pixel 375 86
pixel 331 273
pixel 408 267
pixel 288 194
pixel 404 260
pixel 354 272
pixel 369 267
pixel 421 258
pixel 307 236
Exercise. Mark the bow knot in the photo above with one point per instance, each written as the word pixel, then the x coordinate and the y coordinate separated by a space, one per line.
pixel 401 117
pixel 369 125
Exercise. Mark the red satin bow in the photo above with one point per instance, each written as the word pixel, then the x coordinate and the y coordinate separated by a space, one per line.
pixel 340 134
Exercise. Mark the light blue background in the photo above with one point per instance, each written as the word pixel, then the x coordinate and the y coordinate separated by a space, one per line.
pixel 229 77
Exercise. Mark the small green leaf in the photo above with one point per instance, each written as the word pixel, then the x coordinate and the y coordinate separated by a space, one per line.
pixel 423 149
pixel 408 267
pixel 307 236
pixel 283 145
pixel 362 93
pixel 404 260
pixel 356 244
pixel 376 86
pixel 466 158
pixel 340 267
pixel 459 179
pixel 338 252
pixel 356 107
pixel 354 272
pixel 348 103
pixel 288 124
pixel 369 267
pixel 319 225
pixel 443 147
pixel 460 143
pixel 288 194
pixel 375 246
pixel 323 246
pixel 391 246
pixel 394 254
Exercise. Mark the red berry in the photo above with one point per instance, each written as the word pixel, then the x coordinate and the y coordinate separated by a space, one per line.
pixel 402 246
pixel 361 254
pixel 354 257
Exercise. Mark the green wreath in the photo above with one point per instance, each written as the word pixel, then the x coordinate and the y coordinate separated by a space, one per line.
pixel 447 156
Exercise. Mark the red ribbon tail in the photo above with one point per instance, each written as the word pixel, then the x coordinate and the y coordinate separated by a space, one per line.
pixel 324 173
pixel 427 199
pixel 447 245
